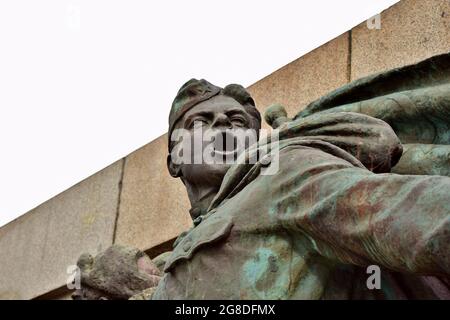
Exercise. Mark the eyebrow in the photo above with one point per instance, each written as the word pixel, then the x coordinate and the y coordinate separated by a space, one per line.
pixel 209 114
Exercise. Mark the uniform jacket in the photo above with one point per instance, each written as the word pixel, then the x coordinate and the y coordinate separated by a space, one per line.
pixel 311 229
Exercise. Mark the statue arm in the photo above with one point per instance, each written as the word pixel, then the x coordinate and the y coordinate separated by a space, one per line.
pixel 354 216
pixel 370 140
pixel 417 116
pixel 420 117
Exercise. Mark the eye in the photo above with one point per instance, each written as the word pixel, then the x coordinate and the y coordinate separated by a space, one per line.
pixel 197 123
pixel 239 120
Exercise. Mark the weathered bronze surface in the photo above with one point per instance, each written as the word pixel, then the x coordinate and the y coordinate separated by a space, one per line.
pixel 117 273
pixel 332 208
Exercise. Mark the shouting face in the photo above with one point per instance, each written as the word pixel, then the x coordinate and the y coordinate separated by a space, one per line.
pixel 208 139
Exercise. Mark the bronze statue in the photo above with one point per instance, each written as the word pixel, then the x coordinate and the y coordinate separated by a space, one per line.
pixel 117 273
pixel 332 208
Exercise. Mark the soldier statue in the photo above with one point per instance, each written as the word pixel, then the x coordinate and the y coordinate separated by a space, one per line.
pixel 358 180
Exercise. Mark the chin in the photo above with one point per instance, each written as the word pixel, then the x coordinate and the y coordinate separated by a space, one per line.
pixel 206 172
pixel 217 169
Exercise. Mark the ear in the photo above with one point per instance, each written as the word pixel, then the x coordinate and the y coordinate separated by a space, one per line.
pixel 174 169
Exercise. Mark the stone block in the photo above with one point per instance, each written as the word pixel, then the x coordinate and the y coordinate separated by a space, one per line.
pixel 37 248
pixel 154 207
pixel 305 79
pixel 411 31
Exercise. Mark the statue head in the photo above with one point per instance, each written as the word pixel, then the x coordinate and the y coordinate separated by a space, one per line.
pixel 211 120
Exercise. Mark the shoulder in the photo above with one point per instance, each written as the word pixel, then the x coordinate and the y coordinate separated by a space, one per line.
pixel 308 155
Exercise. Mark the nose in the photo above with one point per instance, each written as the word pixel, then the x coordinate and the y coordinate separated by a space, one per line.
pixel 221 120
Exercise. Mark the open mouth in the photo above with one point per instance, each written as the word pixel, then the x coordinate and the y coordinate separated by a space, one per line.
pixel 225 144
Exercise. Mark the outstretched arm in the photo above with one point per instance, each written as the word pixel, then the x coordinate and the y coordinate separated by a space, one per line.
pixel 354 216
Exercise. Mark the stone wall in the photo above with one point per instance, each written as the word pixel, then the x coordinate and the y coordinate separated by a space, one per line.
pixel 121 204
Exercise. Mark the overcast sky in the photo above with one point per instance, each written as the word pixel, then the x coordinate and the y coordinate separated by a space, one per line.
pixel 84 83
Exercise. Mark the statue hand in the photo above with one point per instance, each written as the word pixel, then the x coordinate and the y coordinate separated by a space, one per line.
pixel 116 274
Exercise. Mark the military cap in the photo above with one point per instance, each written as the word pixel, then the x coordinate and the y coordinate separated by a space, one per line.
pixel 195 91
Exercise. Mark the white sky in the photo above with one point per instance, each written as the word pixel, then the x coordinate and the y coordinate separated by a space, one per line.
pixel 84 83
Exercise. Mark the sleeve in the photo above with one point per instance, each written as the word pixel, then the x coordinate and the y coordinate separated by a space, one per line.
pixel 370 140
pixel 352 215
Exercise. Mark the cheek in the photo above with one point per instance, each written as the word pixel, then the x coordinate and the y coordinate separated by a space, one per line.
pixel 246 138
pixel 191 149
pixel 182 153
